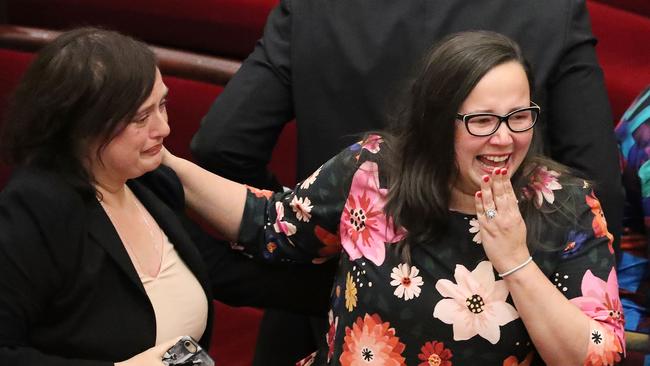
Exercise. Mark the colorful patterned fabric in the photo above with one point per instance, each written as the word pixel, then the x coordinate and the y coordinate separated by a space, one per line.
pixel 447 306
pixel 633 134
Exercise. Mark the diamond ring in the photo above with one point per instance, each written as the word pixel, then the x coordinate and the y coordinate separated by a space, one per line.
pixel 490 213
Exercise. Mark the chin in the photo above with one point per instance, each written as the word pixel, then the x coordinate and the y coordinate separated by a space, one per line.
pixel 144 169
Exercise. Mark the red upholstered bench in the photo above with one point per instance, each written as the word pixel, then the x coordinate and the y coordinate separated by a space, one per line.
pixel 12 65
pixel 220 27
pixel 623 52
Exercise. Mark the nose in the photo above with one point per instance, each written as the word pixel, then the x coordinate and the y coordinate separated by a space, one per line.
pixel 160 126
pixel 502 136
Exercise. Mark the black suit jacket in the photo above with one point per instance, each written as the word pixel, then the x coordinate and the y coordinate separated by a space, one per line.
pixel 338 66
pixel 69 293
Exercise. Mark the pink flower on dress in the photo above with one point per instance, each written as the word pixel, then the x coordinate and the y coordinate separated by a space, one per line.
pixel 371 143
pixel 371 342
pixel 476 304
pixel 407 281
pixel 280 225
pixel 307 361
pixel 600 301
pixel 302 207
pixel 599 224
pixel 541 186
pixel 604 347
pixel 435 354
pixel 475 228
pixel 364 227
pixel 311 179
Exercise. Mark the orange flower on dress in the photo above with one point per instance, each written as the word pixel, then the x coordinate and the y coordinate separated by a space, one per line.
pixel 371 342
pixel 604 348
pixel 599 224
pixel 435 354
pixel 261 193
pixel 331 334
pixel 513 361
pixel 331 242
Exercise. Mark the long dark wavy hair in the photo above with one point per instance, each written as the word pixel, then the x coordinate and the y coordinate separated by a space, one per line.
pixel 81 88
pixel 420 140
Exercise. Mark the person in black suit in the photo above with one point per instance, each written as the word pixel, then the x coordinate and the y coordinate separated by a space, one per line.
pixel 337 67
pixel 98 263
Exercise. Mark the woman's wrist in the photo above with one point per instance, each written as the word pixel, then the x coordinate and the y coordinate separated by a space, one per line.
pixel 516 268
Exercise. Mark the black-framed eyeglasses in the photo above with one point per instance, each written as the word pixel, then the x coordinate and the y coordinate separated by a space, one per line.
pixel 485 124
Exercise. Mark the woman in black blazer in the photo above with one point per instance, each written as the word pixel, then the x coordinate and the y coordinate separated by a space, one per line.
pixel 90 263
pixel 98 264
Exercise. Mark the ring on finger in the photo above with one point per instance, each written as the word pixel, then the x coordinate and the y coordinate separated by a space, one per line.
pixel 491 213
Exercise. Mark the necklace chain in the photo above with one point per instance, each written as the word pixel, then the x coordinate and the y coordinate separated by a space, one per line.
pixel 156 246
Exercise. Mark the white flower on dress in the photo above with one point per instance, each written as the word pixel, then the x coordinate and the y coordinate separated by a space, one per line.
pixel 407 281
pixel 280 225
pixel 475 304
pixel 475 228
pixel 302 207
pixel 311 179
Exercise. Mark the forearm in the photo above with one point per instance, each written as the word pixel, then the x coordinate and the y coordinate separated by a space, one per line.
pixel 216 199
pixel 558 328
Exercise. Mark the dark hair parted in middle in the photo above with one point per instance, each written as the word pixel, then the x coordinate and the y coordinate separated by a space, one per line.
pixel 81 89
pixel 422 161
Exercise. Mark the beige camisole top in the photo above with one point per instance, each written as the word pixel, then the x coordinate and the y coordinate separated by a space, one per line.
pixel 178 300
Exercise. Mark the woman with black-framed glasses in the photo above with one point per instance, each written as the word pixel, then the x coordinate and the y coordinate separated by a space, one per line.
pixel 457 243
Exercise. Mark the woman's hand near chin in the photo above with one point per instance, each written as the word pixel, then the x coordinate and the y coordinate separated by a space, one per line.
pixel 151 357
pixel 503 235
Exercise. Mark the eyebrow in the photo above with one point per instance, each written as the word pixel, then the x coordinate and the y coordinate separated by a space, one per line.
pixel 148 108
pixel 491 112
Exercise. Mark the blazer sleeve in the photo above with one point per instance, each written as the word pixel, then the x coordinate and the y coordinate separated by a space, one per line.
pixel 580 122
pixel 237 136
pixel 34 225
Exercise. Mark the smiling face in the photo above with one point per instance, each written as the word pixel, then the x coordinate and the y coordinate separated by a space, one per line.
pixel 503 89
pixel 136 149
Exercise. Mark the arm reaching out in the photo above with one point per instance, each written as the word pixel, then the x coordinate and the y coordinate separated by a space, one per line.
pixel 219 200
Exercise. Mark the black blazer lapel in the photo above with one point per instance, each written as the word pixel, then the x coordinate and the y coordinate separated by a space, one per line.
pixel 101 229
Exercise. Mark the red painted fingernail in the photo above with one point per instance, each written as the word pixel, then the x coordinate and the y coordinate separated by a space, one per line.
pixel 486 178
pixel 479 194
pixel 504 171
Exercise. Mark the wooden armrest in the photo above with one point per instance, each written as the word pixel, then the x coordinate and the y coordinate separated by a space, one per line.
pixel 183 64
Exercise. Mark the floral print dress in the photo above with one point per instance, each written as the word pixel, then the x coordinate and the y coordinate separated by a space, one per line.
pixel 447 306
